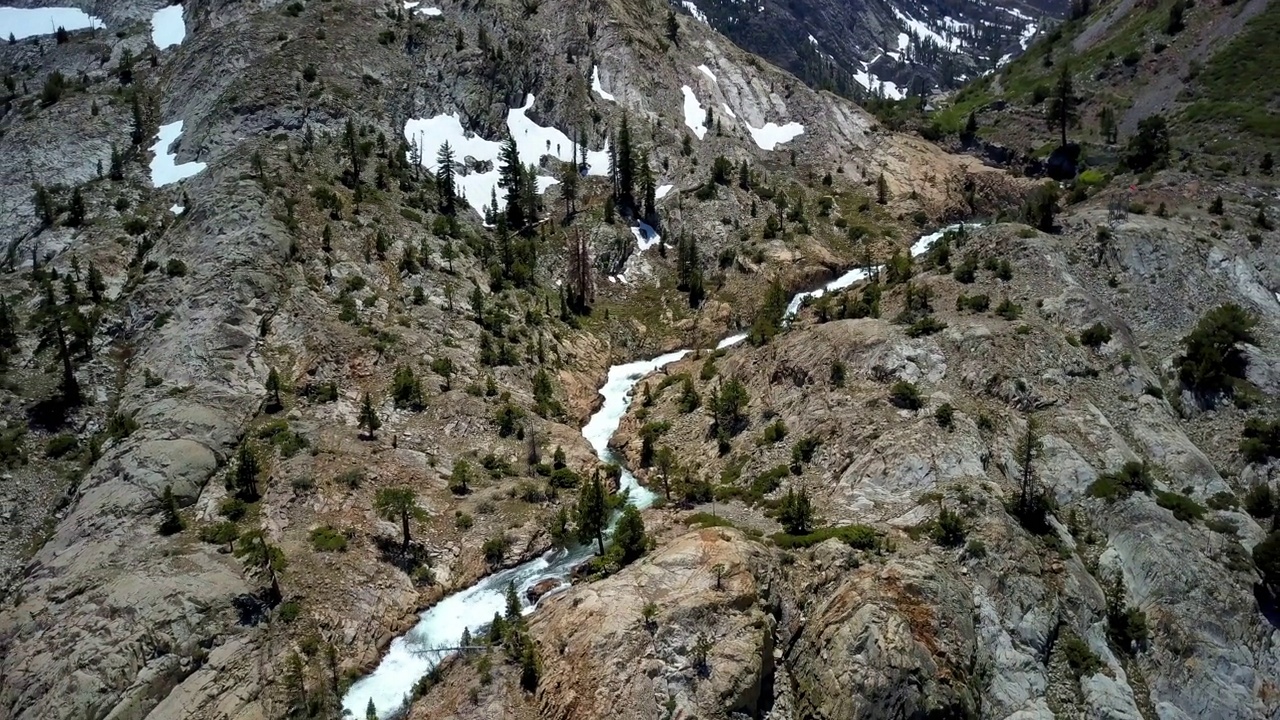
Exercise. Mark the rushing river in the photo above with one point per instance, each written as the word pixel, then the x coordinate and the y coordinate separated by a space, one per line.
pixel 411 655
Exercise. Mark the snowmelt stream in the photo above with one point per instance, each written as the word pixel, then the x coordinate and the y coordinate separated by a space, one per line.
pixel 412 656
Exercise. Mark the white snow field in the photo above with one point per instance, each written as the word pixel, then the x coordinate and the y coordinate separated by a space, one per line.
pixel 772 135
pixel 29 22
pixel 164 167
pixel 707 71
pixel 694 113
pixel 597 88
pixel 661 191
pixel 533 141
pixel 168 27
pixel 694 11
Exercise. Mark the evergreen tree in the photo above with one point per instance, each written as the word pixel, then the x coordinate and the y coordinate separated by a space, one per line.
pixel 295 686
pixel 76 209
pixel 8 326
pixel 53 319
pixel 171 521
pixel 1107 124
pixel 796 512
pixel 351 142
pixel 264 557
pixel 673 26
pixel 647 189
pixel 626 167
pixel 1062 104
pixel 1267 164
pixel 629 537
pixel 569 188
pixel 882 190
pixel 368 417
pixel 445 180
pixel 511 179
pixel 399 505
pixel 593 512
pixel 245 479
pixel 95 284
pixel 274 403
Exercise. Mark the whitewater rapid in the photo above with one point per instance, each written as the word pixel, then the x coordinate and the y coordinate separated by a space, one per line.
pixel 412 655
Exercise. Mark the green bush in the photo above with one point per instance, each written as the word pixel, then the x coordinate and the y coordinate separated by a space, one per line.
pixel 1260 440
pixel 351 478
pixel 774 432
pixel 175 268
pixel 905 395
pixel 944 415
pixel 1130 478
pixel 60 446
pixel 926 325
pixel 862 537
pixel 1213 361
pixel 1260 501
pixel 1095 336
pixel 1080 658
pixel 327 539
pixel 973 303
pixel 1183 507
pixel 949 530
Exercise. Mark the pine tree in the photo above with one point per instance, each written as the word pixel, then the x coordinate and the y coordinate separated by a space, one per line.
pixel 95 284
pixel 445 183
pixel 8 326
pixel 626 167
pixel 76 209
pixel 264 557
pixel 171 522
pixel 629 537
pixel 295 686
pixel 882 190
pixel 274 403
pixel 796 512
pixel 245 479
pixel 399 505
pixel 1062 104
pixel 53 320
pixel 511 179
pixel 593 512
pixel 351 143
pixel 673 25
pixel 369 421
pixel 648 190
pixel 569 188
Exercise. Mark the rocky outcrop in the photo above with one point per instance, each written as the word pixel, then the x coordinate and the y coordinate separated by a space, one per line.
pixel 685 631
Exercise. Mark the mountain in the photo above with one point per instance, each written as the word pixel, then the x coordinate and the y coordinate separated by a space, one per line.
pixel 885 49
pixel 286 377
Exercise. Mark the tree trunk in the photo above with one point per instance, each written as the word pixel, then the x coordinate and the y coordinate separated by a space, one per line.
pixel 600 541
pixel 404 524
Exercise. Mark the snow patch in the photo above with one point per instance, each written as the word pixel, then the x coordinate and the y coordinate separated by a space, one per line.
pixel 772 135
pixel 694 113
pixel 728 110
pixel 597 88
pixel 662 191
pixel 167 27
pixel 904 40
pixel 694 11
pixel 922 30
pixel 533 141
pixel 177 209
pixel 707 71
pixel 429 11
pixel 164 167
pixel 813 40
pixel 29 22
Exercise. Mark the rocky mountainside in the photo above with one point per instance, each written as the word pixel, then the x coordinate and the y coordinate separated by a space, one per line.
pixel 882 49
pixel 271 387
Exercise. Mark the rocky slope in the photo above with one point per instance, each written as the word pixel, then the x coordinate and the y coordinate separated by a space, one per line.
pixel 886 49
pixel 261 269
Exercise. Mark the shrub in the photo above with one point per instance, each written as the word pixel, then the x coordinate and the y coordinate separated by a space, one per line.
pixel 1223 500
pixel 1260 501
pixel 60 446
pixel 1260 440
pixel 861 537
pixel 1266 557
pixel 1082 660
pixel 1149 147
pixel 289 611
pixel 1009 310
pixel 1095 336
pixel 327 539
pixel 495 549
pixel 175 268
pixel 1130 478
pixel 1212 360
pixel 949 530
pixel 351 478
pixel 926 325
pixel 973 303
pixel 1183 507
pixel 905 395
pixel 944 415
pixel 774 432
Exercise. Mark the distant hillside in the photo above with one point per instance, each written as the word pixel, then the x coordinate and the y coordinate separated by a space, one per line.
pixel 889 48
